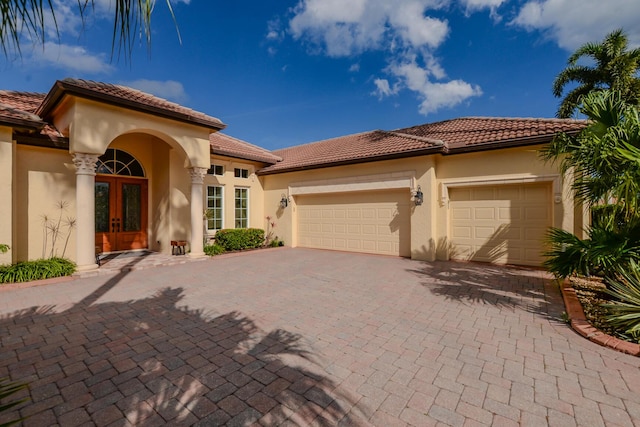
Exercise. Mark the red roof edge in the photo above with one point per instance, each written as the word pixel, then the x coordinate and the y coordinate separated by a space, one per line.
pixel 63 87
pixel 392 156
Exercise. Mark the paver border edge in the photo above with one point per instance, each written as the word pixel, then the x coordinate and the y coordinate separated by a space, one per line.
pixel 581 325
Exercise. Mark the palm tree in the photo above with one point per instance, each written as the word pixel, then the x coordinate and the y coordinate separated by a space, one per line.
pixel 616 68
pixel 605 160
pixel 27 20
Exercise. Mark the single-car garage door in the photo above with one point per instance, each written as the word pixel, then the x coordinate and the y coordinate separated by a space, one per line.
pixel 373 222
pixel 500 224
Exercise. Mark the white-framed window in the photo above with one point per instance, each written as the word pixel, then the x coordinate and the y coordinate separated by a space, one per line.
pixel 216 170
pixel 242 207
pixel 241 173
pixel 215 198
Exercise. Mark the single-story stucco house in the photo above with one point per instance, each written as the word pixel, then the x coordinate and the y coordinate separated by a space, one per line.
pixel 92 164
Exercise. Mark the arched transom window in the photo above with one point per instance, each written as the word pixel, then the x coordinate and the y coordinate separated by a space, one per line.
pixel 118 162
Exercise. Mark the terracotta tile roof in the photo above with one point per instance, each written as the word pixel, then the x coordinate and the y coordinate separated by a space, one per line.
pixel 470 131
pixel 25 101
pixel 226 145
pixel 16 108
pixel 366 146
pixel 446 137
pixel 125 97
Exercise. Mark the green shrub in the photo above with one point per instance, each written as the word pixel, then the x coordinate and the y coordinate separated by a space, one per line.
pixel 214 249
pixel 609 247
pixel 275 243
pixel 27 271
pixel 238 239
pixel 624 314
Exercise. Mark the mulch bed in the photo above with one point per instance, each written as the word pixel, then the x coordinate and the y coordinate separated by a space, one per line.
pixel 591 294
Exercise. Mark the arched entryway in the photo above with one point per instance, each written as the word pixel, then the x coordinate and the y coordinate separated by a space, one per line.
pixel 121 202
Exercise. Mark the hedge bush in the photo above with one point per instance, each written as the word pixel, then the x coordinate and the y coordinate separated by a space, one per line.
pixel 27 271
pixel 237 239
pixel 212 250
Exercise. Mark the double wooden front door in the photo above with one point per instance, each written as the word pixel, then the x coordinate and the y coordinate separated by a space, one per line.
pixel 121 213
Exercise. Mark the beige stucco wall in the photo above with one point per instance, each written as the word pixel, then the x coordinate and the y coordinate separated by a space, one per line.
pixel 44 193
pixel 434 174
pixel 91 126
pixel 229 182
pixel 7 177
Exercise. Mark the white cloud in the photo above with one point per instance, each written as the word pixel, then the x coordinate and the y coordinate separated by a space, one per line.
pixel 168 89
pixel 478 5
pixel 571 23
pixel 342 28
pixel 383 89
pixel 354 68
pixel 274 30
pixel 74 58
pixel 406 31
pixel 434 95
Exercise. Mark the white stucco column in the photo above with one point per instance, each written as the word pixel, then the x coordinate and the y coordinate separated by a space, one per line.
pixel 85 208
pixel 197 235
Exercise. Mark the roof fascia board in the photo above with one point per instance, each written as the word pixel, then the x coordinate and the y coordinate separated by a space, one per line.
pixel 237 156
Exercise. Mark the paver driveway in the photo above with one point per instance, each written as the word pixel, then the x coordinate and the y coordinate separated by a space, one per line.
pixel 300 337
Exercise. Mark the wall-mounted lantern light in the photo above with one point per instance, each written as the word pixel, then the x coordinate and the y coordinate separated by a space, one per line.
pixel 418 198
pixel 284 201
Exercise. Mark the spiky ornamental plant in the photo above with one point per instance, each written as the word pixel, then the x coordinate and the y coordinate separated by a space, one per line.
pixel 27 20
pixel 624 314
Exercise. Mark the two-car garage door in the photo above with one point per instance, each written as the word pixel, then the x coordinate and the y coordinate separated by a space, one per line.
pixel 494 223
pixel 368 221
pixel 500 224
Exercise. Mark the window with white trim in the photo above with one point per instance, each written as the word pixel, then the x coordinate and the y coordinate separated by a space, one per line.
pixel 215 196
pixel 242 207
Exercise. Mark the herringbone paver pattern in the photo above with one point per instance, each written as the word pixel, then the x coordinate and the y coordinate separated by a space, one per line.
pixel 303 337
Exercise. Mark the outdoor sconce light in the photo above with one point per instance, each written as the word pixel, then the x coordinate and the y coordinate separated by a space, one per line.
pixel 284 201
pixel 418 198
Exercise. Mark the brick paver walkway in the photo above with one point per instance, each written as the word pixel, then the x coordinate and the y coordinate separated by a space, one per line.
pixel 303 337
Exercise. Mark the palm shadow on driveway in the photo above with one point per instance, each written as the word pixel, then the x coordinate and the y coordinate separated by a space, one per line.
pixel 504 287
pixel 152 362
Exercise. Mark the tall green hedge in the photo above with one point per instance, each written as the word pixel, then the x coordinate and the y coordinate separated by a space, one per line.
pixel 237 239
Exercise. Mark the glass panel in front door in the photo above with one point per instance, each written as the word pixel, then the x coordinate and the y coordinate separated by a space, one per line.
pixel 131 207
pixel 102 207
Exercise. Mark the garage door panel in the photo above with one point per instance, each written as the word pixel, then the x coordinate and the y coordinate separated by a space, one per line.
pixel 461 213
pixel 508 214
pixel 484 213
pixel 481 193
pixel 514 234
pixel 461 232
pixel 368 213
pixel 369 229
pixel 484 232
pixel 539 213
pixel 510 193
pixel 376 222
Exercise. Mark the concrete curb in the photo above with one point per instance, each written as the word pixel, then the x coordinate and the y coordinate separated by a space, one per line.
pixel 582 326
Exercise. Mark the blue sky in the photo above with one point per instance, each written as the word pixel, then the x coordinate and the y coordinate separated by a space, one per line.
pixel 287 72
